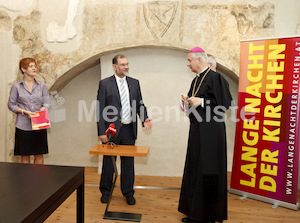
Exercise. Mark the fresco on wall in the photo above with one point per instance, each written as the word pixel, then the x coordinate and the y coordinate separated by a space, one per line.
pixel 243 24
pixel 253 22
pixel 5 21
pixel 26 33
pixel 159 16
pixel 158 23
pixel 56 33
pixel 269 21
pixel 16 5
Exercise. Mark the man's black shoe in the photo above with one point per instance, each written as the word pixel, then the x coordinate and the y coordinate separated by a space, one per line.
pixel 105 198
pixel 130 200
pixel 187 219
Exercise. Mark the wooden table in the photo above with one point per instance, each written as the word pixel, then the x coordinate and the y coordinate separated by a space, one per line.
pixel 119 150
pixel 30 193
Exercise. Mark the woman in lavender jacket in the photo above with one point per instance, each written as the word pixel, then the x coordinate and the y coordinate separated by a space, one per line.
pixel 26 97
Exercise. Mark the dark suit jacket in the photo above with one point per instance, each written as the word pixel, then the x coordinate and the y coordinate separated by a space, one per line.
pixel 109 107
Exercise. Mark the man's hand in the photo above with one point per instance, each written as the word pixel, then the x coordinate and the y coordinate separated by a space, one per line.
pixel 195 101
pixel 147 124
pixel 103 138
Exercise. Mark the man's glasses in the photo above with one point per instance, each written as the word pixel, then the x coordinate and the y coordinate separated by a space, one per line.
pixel 124 64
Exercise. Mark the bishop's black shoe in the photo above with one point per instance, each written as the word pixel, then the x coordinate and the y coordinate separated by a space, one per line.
pixel 187 219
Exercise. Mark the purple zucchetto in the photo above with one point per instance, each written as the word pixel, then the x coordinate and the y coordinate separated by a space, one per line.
pixel 197 50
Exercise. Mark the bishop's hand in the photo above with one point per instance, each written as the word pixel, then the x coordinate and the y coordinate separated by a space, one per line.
pixel 195 101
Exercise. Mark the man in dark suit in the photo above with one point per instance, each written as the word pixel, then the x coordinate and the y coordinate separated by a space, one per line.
pixel 120 101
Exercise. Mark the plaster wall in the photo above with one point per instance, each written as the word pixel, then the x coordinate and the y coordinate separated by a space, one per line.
pixel 163 75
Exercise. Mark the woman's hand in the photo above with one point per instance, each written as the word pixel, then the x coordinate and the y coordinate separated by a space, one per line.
pixel 28 113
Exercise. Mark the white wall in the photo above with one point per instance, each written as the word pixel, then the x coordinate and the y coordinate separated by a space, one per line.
pixel 163 75
pixel 286 17
pixel 69 138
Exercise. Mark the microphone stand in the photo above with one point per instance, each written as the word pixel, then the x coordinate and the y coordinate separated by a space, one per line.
pixel 112 144
pixel 110 136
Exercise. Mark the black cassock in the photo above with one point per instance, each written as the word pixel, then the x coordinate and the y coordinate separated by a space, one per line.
pixel 203 193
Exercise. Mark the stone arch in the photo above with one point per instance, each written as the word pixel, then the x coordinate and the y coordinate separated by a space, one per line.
pixel 73 72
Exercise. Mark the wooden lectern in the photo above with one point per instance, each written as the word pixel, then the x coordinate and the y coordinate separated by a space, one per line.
pixel 119 150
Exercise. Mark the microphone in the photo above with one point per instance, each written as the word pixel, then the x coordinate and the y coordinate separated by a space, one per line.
pixel 111 131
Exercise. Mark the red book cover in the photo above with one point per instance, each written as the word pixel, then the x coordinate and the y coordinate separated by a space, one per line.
pixel 40 120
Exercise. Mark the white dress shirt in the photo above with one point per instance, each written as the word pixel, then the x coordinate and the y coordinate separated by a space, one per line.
pixel 118 79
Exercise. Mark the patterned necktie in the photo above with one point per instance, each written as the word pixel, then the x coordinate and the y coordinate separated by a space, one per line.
pixel 125 113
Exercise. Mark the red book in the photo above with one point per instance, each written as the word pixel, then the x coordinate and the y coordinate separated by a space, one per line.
pixel 40 120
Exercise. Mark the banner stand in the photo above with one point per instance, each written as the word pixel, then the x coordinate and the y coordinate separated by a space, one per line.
pixel 267 143
pixel 275 203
